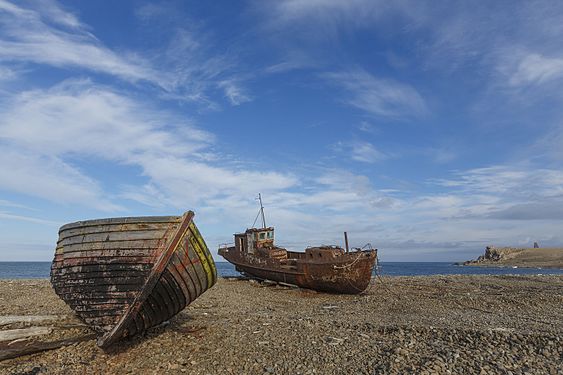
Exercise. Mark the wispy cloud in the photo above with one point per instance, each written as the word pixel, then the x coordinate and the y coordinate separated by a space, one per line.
pixel 325 17
pixel 360 151
pixel 8 216
pixel 234 92
pixel 53 36
pixel 377 96
pixel 50 178
pixel 536 69
pixel 508 193
pixel 366 152
pixel 82 119
pixel 186 68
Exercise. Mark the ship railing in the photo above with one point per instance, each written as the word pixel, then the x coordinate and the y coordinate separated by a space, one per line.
pixel 367 246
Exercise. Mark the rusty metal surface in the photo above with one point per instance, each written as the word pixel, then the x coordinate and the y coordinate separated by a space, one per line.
pixel 327 269
pixel 122 276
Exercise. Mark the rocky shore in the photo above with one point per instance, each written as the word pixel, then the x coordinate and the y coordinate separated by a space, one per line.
pixel 519 257
pixel 401 325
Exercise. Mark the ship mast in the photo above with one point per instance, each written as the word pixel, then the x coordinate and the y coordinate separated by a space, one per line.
pixel 262 211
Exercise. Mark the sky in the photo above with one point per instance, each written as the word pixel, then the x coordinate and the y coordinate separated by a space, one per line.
pixel 429 129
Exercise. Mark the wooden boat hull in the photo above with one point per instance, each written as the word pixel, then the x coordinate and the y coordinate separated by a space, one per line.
pixel 349 274
pixel 122 276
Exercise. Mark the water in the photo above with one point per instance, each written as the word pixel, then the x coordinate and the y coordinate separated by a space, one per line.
pixel 34 270
pixel 24 270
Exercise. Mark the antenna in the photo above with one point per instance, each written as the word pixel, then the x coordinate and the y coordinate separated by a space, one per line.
pixel 262 211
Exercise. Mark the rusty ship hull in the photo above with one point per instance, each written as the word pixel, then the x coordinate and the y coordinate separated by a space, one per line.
pixel 340 272
pixel 123 276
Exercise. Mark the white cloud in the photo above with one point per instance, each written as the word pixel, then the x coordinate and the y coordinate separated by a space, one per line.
pixel 537 69
pixel 78 119
pixel 380 97
pixel 234 92
pixel 366 152
pixel 49 178
pixel 186 68
pixel 27 36
pixel 503 180
pixel 83 118
pixel 9 216
pixel 326 16
pixel 360 151
pixel 503 192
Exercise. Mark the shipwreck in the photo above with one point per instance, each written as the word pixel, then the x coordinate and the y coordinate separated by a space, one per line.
pixel 123 276
pixel 324 268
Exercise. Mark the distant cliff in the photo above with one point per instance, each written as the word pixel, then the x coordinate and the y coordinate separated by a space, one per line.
pixel 521 257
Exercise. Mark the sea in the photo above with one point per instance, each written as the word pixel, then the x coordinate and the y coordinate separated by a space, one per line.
pixel 40 270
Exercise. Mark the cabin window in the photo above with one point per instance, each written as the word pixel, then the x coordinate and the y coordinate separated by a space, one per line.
pixel 262 235
pixel 270 234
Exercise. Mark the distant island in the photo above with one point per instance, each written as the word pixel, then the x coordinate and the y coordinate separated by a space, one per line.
pixel 519 257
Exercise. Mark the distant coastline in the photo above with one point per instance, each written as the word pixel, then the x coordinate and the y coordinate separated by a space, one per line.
pixel 41 270
pixel 519 257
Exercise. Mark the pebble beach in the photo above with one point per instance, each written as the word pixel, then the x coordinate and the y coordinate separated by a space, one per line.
pixel 400 325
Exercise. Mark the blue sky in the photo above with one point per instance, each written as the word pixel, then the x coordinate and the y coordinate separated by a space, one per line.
pixel 429 129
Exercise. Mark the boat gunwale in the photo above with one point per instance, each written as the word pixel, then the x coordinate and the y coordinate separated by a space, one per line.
pixel 121 220
pixel 304 260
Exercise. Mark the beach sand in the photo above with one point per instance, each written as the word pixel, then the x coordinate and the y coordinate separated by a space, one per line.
pixel 401 325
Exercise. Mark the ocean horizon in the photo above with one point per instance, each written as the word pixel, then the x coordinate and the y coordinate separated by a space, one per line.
pixel 41 270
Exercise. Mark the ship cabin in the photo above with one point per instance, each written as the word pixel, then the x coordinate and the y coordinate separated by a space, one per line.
pixel 254 238
pixel 324 252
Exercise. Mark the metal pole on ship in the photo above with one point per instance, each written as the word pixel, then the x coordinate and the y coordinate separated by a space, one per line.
pixel 262 211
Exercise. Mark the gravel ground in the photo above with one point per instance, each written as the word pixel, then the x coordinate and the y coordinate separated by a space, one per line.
pixel 401 325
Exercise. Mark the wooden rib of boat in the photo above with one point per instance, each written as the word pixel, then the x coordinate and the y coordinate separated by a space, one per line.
pixel 124 275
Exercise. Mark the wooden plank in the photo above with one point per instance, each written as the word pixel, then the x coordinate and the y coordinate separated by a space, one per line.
pixel 128 280
pixel 26 347
pixel 199 238
pixel 110 253
pixel 100 274
pixel 113 236
pixel 29 319
pixel 118 227
pixel 122 220
pixel 107 260
pixel 144 267
pixel 104 295
pixel 81 289
pixel 190 273
pixel 22 333
pixel 135 244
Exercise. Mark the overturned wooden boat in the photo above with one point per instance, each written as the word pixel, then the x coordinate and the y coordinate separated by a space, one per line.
pixel 325 268
pixel 124 275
